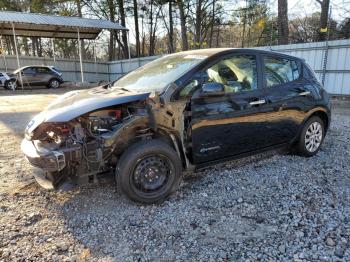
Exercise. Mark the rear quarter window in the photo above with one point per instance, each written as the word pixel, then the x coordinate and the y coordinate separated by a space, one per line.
pixel 43 70
pixel 280 70
pixel 308 72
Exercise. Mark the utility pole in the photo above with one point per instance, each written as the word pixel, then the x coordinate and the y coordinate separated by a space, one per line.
pixel 325 56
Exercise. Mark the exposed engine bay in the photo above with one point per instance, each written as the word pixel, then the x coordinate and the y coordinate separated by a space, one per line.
pixel 87 145
pixel 83 134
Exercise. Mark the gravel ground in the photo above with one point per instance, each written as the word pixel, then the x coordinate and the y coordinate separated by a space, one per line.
pixel 272 206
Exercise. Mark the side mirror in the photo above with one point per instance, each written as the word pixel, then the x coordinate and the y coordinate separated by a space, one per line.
pixel 213 89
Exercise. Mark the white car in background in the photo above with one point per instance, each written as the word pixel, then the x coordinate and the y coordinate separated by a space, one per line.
pixel 4 80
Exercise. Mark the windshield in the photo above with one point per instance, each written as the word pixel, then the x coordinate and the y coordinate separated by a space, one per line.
pixel 158 74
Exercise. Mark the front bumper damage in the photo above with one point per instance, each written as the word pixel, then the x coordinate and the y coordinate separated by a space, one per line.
pixel 45 163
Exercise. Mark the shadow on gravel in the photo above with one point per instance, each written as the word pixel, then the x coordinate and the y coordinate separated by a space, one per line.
pixel 16 121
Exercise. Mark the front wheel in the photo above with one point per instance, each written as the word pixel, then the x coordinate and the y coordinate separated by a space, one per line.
pixel 311 137
pixel 11 84
pixel 149 171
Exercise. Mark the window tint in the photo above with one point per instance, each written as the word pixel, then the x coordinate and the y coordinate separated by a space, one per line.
pixel 308 72
pixel 29 70
pixel 237 74
pixel 280 70
pixel 43 70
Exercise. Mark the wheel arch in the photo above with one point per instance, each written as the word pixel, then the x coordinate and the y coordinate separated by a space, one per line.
pixel 321 113
pixel 174 141
pixel 54 78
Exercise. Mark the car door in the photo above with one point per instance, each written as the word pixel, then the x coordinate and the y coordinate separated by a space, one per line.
pixel 287 98
pixel 43 75
pixel 29 76
pixel 228 124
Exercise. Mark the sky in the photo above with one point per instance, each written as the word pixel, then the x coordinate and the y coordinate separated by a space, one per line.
pixel 299 7
pixel 296 8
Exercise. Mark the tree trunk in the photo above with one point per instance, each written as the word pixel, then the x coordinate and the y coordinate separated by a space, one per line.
pixel 151 42
pixel 218 36
pixel 137 32
pixel 111 49
pixel 323 19
pixel 171 28
pixel 212 24
pixel 197 37
pixel 143 52
pixel 34 42
pixel 244 25
pixel 124 32
pixel 40 48
pixel 80 14
pixel 183 25
pixel 26 46
pixel 283 30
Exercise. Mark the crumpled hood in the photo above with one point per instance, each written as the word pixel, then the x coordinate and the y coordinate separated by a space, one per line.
pixel 76 103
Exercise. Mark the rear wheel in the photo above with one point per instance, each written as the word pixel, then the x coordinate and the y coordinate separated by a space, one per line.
pixel 11 84
pixel 149 171
pixel 53 83
pixel 311 137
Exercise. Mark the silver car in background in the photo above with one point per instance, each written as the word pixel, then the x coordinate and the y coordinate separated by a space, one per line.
pixel 30 76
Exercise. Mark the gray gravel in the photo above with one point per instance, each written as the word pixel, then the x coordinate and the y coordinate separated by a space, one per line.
pixel 272 206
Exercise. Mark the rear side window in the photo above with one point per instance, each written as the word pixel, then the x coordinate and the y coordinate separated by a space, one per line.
pixel 43 70
pixel 280 71
pixel 308 72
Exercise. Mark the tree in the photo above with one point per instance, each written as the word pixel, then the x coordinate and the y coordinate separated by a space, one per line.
pixel 282 22
pixel 123 43
pixel 137 32
pixel 183 19
pixel 322 34
pixel 198 27
pixel 80 14
pixel 171 27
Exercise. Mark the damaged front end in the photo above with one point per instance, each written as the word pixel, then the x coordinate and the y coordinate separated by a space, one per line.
pixel 76 145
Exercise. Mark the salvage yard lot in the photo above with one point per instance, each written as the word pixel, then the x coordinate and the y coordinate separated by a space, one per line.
pixel 272 206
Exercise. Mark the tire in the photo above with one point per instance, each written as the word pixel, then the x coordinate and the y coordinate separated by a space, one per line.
pixel 149 171
pixel 311 137
pixel 11 84
pixel 53 83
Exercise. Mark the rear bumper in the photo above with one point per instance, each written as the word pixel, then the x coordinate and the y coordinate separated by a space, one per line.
pixel 48 161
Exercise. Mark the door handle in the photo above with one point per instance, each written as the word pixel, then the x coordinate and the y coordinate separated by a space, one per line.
pixel 259 102
pixel 305 93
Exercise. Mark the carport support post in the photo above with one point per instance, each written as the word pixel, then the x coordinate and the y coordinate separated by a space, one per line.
pixel 95 58
pixel 53 50
pixel 3 52
pixel 129 45
pixel 80 58
pixel 15 40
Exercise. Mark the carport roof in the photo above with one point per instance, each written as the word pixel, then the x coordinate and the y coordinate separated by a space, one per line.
pixel 39 25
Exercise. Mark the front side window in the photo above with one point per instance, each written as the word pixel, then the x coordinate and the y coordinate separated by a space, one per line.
pixel 29 70
pixel 237 73
pixel 280 71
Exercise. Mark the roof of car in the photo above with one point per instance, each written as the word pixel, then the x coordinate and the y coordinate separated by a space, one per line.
pixel 24 67
pixel 216 51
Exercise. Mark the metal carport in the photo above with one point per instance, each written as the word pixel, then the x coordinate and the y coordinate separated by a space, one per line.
pixel 50 26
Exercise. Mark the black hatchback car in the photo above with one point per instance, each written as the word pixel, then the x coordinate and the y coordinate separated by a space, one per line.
pixel 178 113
